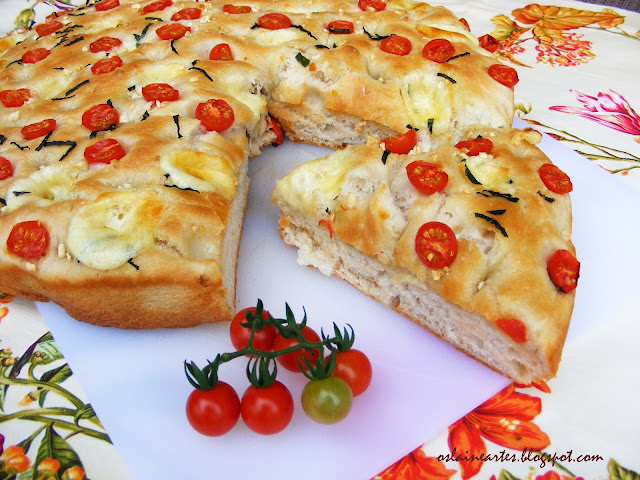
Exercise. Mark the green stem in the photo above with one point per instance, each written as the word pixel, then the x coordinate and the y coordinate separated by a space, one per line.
pixel 40 416
pixel 613 158
pixel 77 402
pixel 619 32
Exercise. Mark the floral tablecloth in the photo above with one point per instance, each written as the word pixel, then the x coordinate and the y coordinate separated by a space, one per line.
pixel 579 66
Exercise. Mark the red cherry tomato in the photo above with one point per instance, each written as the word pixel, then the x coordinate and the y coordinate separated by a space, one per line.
pixel 489 43
pixel 38 129
pixel 475 146
pixel 186 14
pixel 377 5
pixel 100 117
pixel 274 21
pixel 353 367
pixel 267 410
pixel 340 27
pixel 262 339
pixel 172 31
pixel 504 75
pixel 104 44
pixel 160 92
pixel 106 65
pixel 555 179
pixel 403 143
pixel 104 5
pixel 28 239
pixel 289 361
pixel 6 169
pixel 156 6
pixel 438 50
pixel 35 55
pixel 15 98
pixel 564 270
pixel 277 129
pixel 48 28
pixel 514 328
pixel 396 45
pixel 222 51
pixel 215 115
pixel 215 411
pixel 436 245
pixel 426 177
pixel 104 151
pixel 236 9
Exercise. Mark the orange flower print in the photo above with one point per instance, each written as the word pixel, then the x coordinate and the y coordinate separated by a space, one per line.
pixel 416 466
pixel 504 419
pixel 553 31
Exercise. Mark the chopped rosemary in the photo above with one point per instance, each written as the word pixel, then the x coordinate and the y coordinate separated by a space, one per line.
pixel 470 176
pixel 75 40
pixel 130 262
pixel 57 143
pixel 3 201
pixel 302 60
pixel 145 115
pixel 548 199
pixel 94 133
pixel 385 155
pixel 302 29
pixel 131 88
pixel 18 61
pixel 459 55
pixel 321 46
pixel 493 222
pixel 376 37
pixel 157 19
pixel 497 212
pixel 142 34
pixel 447 77
pixel 2 139
pixel 18 193
pixel 173 48
pixel 203 72
pixel 176 119
pixel 186 189
pixel 430 124
pixel 20 146
pixel 493 193
pixel 73 89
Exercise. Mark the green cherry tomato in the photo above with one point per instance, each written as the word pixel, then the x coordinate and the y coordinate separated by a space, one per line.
pixel 328 400
pixel 215 411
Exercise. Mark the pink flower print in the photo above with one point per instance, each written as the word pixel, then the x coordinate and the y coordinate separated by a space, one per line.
pixel 608 109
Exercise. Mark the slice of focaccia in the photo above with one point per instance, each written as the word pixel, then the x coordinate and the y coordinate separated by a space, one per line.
pixel 471 241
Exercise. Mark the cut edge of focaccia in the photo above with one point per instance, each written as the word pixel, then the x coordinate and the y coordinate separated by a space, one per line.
pixel 344 228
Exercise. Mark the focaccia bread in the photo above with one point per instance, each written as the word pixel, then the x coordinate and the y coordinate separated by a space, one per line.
pixel 495 287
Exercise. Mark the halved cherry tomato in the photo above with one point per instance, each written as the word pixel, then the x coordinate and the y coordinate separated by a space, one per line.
pixel 396 45
pixel 104 44
pixel 438 50
pixel 104 151
pixel 277 129
pixel 48 28
pixel 100 117
pixel 267 410
pixel 427 177
pixel 6 169
pixel 35 55
pixel 215 411
pixel 106 65
pixel 353 367
pixel 327 401
pixel 475 146
pixel 377 5
pixel 215 115
pixel 274 21
pixel 489 43
pixel 401 144
pixel 338 27
pixel 262 339
pixel 160 92
pixel 514 328
pixel 555 179
pixel 222 51
pixel 104 5
pixel 38 129
pixel 186 14
pixel 564 270
pixel 28 239
pixel 236 9
pixel 15 98
pixel 172 31
pixel 465 23
pixel 156 6
pixel 504 75
pixel 436 244
pixel 290 360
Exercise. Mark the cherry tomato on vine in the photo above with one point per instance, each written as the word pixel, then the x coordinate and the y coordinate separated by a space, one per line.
pixel 328 400
pixel 353 367
pixel 267 410
pixel 215 411
pixel 289 361
pixel 262 339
